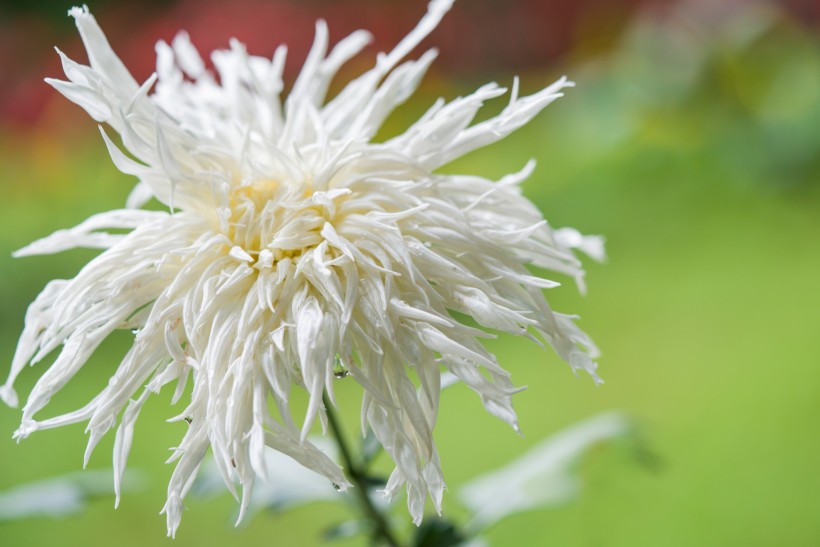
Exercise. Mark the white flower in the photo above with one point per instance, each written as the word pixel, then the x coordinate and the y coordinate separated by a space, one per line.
pixel 293 247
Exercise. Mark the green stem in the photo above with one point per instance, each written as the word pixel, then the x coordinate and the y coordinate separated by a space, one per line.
pixel 381 529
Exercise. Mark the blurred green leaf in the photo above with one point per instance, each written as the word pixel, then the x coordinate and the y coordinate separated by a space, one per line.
pixel 543 477
pixel 60 496
pixel 346 529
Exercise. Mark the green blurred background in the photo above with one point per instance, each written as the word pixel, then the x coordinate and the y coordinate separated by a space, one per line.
pixel 692 142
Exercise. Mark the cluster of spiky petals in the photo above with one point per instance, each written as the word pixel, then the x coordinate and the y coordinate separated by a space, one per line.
pixel 295 249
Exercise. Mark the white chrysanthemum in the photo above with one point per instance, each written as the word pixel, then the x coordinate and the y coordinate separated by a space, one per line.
pixel 295 246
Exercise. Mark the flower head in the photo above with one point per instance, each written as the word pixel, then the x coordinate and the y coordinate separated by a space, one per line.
pixel 295 248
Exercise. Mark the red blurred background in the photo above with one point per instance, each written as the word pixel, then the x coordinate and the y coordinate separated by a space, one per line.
pixel 497 36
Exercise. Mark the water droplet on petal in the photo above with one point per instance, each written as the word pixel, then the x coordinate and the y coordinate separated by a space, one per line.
pixel 339 368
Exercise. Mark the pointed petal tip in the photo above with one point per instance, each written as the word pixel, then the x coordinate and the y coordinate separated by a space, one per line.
pixel 20 253
pixel 243 509
pixel 8 395
pixel 173 513
pixel 27 427
pixel 342 485
pixel 78 12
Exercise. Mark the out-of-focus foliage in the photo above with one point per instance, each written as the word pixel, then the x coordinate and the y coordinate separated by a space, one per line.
pixel 58 496
pixel 541 478
pixel 737 96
